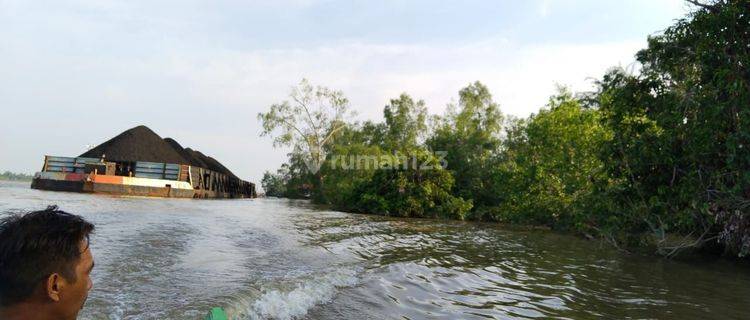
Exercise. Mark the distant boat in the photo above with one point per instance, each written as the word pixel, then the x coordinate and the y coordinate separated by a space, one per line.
pixel 139 162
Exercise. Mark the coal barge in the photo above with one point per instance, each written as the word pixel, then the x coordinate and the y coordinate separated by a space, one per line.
pixel 138 162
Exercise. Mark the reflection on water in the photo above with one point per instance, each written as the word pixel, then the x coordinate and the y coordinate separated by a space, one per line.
pixel 271 258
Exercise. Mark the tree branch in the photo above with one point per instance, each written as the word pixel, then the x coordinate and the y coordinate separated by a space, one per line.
pixel 709 7
pixel 332 132
pixel 309 117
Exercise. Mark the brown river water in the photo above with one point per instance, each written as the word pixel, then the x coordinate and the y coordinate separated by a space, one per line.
pixel 283 259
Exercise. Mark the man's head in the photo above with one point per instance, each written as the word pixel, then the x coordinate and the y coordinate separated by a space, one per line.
pixel 45 263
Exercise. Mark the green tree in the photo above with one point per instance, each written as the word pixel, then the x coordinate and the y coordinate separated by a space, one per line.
pixel 298 177
pixel 470 134
pixel 307 123
pixel 550 166
pixel 411 191
pixel 341 172
pixel 354 146
pixel 273 184
pixel 405 123
pixel 10 176
pixel 681 127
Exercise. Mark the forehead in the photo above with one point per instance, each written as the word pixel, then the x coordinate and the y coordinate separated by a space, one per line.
pixel 86 256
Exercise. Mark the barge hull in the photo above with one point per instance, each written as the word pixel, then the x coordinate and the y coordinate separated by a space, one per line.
pixel 73 182
pixel 56 185
pixel 139 178
pixel 143 191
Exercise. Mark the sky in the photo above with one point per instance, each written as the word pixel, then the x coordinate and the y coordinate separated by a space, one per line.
pixel 76 73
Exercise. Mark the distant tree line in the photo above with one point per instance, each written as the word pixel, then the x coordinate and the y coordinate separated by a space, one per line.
pixel 10 176
pixel 657 158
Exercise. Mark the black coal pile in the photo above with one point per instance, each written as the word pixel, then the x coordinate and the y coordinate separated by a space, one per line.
pixel 210 162
pixel 191 160
pixel 198 159
pixel 136 144
pixel 143 144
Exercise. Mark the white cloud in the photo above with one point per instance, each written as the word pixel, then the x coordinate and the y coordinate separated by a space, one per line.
pixel 521 77
pixel 177 85
pixel 208 99
pixel 544 8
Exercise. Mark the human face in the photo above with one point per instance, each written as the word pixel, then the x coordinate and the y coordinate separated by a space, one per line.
pixel 73 299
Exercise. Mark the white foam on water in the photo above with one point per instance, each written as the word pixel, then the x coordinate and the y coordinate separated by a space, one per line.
pixel 280 304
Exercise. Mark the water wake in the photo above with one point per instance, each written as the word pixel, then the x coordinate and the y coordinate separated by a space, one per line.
pixel 295 303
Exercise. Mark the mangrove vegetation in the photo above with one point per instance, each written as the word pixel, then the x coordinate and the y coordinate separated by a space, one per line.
pixel 11 176
pixel 658 157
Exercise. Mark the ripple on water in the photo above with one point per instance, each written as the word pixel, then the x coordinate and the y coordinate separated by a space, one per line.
pixel 269 258
pixel 437 269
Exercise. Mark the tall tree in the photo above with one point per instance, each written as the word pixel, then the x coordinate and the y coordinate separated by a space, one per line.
pixel 680 149
pixel 342 172
pixel 273 184
pixel 405 120
pixel 307 122
pixel 551 166
pixel 470 134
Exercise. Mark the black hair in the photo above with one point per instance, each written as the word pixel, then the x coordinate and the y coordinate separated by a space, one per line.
pixel 35 245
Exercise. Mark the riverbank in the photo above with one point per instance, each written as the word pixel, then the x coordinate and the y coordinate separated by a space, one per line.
pixel 639 162
pixel 11 176
pixel 648 248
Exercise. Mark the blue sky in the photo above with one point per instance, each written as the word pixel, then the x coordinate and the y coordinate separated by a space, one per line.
pixel 75 73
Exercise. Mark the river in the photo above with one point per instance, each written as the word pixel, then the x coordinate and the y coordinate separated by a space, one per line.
pixel 277 258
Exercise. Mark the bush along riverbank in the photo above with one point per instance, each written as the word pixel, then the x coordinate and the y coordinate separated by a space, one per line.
pixel 658 158
pixel 10 176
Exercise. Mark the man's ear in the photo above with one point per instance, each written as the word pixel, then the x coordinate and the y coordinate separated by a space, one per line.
pixel 54 286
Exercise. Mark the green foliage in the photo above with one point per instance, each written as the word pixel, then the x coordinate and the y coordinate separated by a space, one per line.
pixel 273 184
pixel 10 176
pixel 365 172
pixel 679 154
pixel 299 181
pixel 344 172
pixel 649 155
pixel 405 121
pixel 308 123
pixel 470 134
pixel 414 191
pixel 549 166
